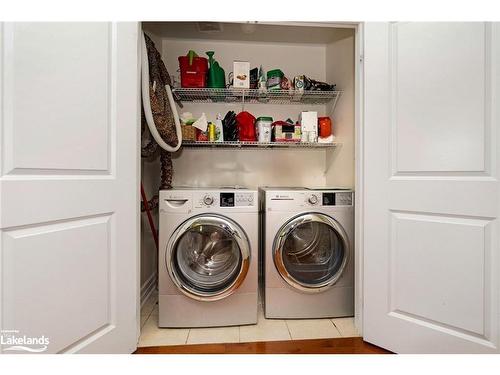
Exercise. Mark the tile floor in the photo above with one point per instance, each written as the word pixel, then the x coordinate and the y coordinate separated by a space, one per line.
pixel 264 330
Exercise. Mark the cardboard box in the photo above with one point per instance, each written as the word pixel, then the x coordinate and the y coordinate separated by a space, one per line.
pixel 241 74
pixel 308 121
pixel 309 126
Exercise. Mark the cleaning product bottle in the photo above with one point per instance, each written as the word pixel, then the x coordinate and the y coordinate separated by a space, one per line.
pixel 216 75
pixel 262 83
pixel 219 129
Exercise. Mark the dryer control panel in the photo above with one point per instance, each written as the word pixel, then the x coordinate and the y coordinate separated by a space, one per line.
pixel 287 199
pixel 329 198
pixel 343 198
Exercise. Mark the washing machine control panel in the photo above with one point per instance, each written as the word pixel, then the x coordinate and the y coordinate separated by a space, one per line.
pixel 225 199
pixel 237 199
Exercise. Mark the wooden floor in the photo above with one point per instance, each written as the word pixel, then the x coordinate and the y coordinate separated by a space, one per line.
pixel 349 345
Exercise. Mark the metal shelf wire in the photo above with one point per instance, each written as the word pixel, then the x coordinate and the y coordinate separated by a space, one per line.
pixel 255 96
pixel 246 144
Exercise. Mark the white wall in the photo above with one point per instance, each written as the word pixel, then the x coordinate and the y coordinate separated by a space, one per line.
pixel 340 69
pixel 251 168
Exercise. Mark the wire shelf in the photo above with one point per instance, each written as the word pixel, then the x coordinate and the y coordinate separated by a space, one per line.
pixel 255 96
pixel 247 144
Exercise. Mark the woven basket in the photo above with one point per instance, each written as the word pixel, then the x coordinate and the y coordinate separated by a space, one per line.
pixel 188 133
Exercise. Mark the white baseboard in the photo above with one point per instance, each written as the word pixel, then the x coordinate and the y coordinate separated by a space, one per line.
pixel 148 288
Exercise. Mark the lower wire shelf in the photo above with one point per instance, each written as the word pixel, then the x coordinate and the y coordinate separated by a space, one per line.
pixel 251 144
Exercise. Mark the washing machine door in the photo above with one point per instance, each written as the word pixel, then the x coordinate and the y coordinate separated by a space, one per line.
pixel 311 252
pixel 208 257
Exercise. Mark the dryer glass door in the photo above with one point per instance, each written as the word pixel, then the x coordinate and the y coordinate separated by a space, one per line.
pixel 311 252
pixel 208 257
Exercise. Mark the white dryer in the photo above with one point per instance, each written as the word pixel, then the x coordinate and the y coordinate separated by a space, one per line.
pixel 208 258
pixel 307 244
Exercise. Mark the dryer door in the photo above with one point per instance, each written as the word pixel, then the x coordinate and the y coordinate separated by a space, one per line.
pixel 208 257
pixel 311 252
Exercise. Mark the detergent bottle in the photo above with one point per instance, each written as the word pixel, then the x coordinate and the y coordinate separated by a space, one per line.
pixel 216 75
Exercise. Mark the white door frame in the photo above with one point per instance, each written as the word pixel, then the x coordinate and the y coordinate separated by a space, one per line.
pixel 359 162
pixel 359 175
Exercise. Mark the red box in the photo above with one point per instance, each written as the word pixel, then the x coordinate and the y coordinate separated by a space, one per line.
pixel 194 74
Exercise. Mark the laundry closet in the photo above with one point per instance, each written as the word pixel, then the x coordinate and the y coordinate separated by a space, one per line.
pixel 322 52
pixel 415 116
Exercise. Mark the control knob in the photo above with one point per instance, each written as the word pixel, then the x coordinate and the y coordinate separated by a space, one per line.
pixel 208 200
pixel 313 199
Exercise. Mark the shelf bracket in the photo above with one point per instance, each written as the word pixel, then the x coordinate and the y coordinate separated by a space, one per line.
pixel 334 104
pixel 330 155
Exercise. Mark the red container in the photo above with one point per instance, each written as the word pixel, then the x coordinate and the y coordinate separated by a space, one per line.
pixel 325 126
pixel 246 126
pixel 194 74
pixel 201 136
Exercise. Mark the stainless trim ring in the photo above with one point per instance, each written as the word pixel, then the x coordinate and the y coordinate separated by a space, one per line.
pixel 287 229
pixel 225 224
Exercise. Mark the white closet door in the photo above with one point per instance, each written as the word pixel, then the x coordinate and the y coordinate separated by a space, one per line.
pixel 432 164
pixel 69 185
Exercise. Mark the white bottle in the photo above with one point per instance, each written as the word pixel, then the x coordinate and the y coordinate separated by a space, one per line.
pixel 219 129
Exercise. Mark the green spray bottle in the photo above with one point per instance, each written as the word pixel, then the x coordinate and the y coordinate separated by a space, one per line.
pixel 216 75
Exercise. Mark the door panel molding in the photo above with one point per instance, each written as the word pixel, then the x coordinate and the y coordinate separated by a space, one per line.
pixel 483 111
pixel 71 269
pixel 78 106
pixel 419 286
pixel 443 328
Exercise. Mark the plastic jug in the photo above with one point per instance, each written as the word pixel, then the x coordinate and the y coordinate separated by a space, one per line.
pixel 216 75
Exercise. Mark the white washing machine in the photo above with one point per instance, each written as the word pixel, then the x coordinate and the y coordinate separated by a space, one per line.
pixel 208 258
pixel 308 253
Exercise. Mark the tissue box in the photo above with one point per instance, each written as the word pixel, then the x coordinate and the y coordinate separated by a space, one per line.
pixel 241 74
pixel 285 132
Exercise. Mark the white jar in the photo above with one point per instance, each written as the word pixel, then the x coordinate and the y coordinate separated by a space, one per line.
pixel 263 127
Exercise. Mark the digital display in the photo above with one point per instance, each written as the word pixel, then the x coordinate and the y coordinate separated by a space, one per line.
pixel 328 199
pixel 227 199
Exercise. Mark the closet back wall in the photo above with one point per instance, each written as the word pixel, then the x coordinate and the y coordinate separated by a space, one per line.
pixel 211 167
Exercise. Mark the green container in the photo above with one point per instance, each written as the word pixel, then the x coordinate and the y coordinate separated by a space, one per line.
pixel 216 75
pixel 275 73
pixel 274 78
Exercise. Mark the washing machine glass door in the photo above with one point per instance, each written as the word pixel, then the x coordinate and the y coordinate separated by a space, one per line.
pixel 208 257
pixel 311 252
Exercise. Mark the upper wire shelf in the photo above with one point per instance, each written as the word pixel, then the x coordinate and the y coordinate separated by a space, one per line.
pixel 256 96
